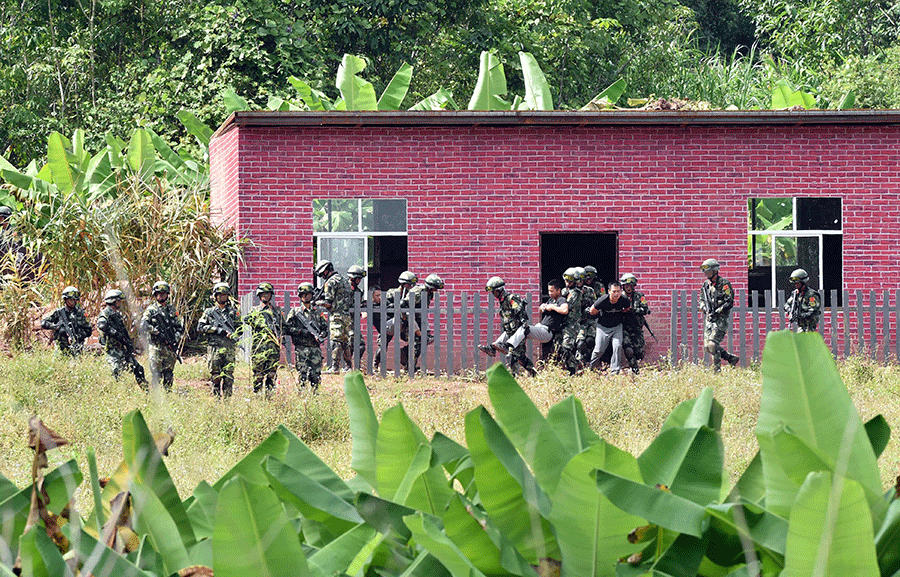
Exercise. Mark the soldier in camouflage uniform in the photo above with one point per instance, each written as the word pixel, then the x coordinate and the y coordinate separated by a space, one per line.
pixel 306 325
pixel 568 350
pixel 116 339
pixel 584 341
pixel 266 324
pixel 633 326
pixel 422 293
pixel 717 299
pixel 161 321
pixel 336 299
pixel 513 314
pixel 67 319
pixel 221 324
pixel 804 305
pixel 399 297
pixel 355 274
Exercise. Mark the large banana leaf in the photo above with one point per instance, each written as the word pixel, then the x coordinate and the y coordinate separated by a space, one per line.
pixel 763 528
pixel 336 557
pixel 437 101
pixel 512 498
pixel 202 510
pixel 879 433
pixel 784 95
pixel 357 94
pixel 830 530
pixel 99 560
pixel 455 459
pixel 233 102
pixel 314 99
pixel 363 428
pixel 250 467
pixel 887 540
pixel 146 465
pixel 141 154
pixel 803 392
pixel 705 410
pixel 591 531
pixel 253 535
pixel 396 89
pixel 569 422
pixel 153 520
pixel 399 441
pixel 526 427
pixel 58 159
pixel 195 127
pixel 40 557
pixel 537 91
pixel 681 558
pixel 687 461
pixel 429 535
pixel 491 84
pixel 301 458
pixel 385 516
pixel 471 538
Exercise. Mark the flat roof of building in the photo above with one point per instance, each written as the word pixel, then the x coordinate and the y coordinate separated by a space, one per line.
pixel 556 118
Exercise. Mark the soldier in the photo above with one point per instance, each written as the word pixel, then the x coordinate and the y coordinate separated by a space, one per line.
pixel 266 324
pixel 221 323
pixel 165 328
pixel 568 352
pixel 717 299
pixel 356 273
pixel 306 325
pixel 587 329
pixel 513 315
pixel 336 295
pixel 69 325
pixel 116 339
pixel 422 293
pixel 399 297
pixel 633 327
pixel 804 305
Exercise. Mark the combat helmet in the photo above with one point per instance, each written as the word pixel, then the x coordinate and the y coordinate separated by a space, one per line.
pixel 305 287
pixel 323 267
pixel 264 287
pixel 628 278
pixel 710 264
pixel 356 271
pixel 161 287
pixel 799 275
pixel 434 282
pixel 113 295
pixel 494 283
pixel 571 274
pixel 590 272
pixel 580 273
pixel 5 211
pixel 71 292
pixel 221 288
pixel 407 277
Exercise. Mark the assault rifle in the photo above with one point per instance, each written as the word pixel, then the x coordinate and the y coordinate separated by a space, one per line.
pixel 646 324
pixel 167 333
pixel 794 312
pixel 709 303
pixel 65 326
pixel 221 321
pixel 120 334
pixel 315 334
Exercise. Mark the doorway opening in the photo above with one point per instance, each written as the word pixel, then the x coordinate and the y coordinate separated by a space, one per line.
pixel 560 251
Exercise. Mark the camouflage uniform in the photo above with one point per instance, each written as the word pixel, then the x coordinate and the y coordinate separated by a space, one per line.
pixel 398 297
pixel 266 324
pixel 568 349
pixel 74 317
pixel 808 309
pixel 306 347
pixel 633 329
pixel 338 294
pixel 720 297
pixel 587 329
pixel 163 324
pixel 355 322
pixel 514 314
pixel 117 344
pixel 217 323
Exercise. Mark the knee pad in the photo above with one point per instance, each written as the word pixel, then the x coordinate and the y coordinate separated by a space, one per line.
pixel 711 347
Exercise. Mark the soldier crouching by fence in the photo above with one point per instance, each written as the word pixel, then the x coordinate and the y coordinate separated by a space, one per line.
pixel 220 323
pixel 307 327
pixel 69 325
pixel 804 306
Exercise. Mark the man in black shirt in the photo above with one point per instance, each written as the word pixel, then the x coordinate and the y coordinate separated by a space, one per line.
pixel 610 310
pixel 553 315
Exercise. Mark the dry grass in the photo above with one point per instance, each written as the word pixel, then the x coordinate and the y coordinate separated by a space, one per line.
pixel 81 401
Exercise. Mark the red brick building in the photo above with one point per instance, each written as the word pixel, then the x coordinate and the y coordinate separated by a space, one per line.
pixel 525 195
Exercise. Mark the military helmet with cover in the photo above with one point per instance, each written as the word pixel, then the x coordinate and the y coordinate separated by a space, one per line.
pixel 580 273
pixel 161 286
pixel 710 264
pixel 113 295
pixel 494 283
pixel 570 274
pixel 356 271
pixel 799 275
pixel 434 282
pixel 221 288
pixel 406 277
pixel 5 211
pixel 323 267
pixel 71 292
pixel 265 287
pixel 305 288
pixel 590 272
pixel 628 278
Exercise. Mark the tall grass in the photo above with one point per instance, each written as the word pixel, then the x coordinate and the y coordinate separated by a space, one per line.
pixel 81 401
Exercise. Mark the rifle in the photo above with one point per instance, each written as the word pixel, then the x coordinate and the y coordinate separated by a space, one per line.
pixel 167 332
pixel 646 324
pixel 709 303
pixel 65 325
pixel 220 321
pixel 794 312
pixel 119 329
pixel 316 334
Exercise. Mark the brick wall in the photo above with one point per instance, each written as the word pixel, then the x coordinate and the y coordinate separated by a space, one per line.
pixel 478 196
